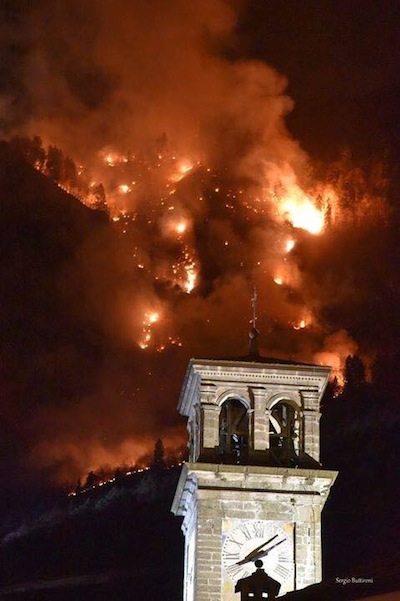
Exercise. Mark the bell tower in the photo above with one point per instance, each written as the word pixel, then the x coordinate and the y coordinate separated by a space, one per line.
pixel 253 488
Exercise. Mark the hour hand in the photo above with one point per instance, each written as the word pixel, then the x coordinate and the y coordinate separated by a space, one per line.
pixel 256 552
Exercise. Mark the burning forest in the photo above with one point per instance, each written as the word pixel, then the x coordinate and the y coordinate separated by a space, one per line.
pixel 168 144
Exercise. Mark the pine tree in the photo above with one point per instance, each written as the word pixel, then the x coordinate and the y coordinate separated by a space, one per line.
pixel 354 374
pixel 159 454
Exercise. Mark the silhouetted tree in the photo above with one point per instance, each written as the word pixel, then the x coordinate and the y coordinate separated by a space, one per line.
pixel 354 374
pixel 54 163
pixel 384 373
pixel 118 475
pixel 31 149
pixel 37 153
pixel 159 454
pixel 332 392
pixel 91 480
pixel 70 173
pixel 99 198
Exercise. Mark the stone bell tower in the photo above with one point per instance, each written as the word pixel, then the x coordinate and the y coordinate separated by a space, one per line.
pixel 253 488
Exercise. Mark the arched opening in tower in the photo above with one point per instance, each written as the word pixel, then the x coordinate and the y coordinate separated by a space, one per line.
pixel 284 434
pixel 233 432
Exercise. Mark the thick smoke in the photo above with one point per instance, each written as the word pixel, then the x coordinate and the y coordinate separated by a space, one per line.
pixel 94 76
pixel 111 321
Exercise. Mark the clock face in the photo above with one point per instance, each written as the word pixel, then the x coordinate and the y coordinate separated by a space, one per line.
pixel 251 539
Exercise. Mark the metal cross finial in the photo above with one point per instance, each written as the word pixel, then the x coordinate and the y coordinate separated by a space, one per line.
pixel 254 305
pixel 253 334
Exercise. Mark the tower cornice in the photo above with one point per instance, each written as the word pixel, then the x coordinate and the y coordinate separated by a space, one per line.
pixel 260 374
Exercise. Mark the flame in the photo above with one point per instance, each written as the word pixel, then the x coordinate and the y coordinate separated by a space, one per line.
pixel 301 213
pixel 292 203
pixel 300 325
pixel 191 277
pixel 335 362
pixel 152 317
pixel 337 347
pixel 183 167
pixel 113 158
pixel 290 244
pixel 181 227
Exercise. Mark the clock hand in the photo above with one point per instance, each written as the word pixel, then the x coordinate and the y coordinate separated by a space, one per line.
pixel 266 551
pixel 253 554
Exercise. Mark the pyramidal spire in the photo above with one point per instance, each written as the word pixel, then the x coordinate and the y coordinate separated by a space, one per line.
pixel 253 332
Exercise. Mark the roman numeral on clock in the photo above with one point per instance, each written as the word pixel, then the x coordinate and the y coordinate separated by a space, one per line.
pixel 233 570
pixel 246 529
pixel 259 530
pixel 281 571
pixel 231 556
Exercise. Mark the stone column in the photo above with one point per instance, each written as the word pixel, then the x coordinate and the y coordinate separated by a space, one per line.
pixel 210 426
pixel 311 433
pixel 210 417
pixel 260 421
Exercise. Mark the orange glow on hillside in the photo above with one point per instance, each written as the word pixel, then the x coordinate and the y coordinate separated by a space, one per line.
pixel 183 168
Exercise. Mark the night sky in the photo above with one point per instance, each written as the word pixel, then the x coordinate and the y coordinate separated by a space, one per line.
pixel 223 111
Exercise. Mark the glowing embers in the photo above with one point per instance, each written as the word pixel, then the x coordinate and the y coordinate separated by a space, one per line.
pixel 171 341
pixel 158 341
pixel 112 159
pixel 185 271
pixel 149 319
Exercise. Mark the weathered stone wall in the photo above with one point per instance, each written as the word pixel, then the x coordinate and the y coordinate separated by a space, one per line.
pixel 241 493
pixel 208 559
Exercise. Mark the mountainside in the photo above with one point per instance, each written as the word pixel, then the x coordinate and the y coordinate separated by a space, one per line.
pixel 119 535
pixel 54 345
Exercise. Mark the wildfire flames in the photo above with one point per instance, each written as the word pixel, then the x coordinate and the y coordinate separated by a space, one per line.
pixel 146 199
pixel 292 206
pixel 205 193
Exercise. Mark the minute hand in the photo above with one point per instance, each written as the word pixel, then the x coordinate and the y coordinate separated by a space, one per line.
pixel 254 554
